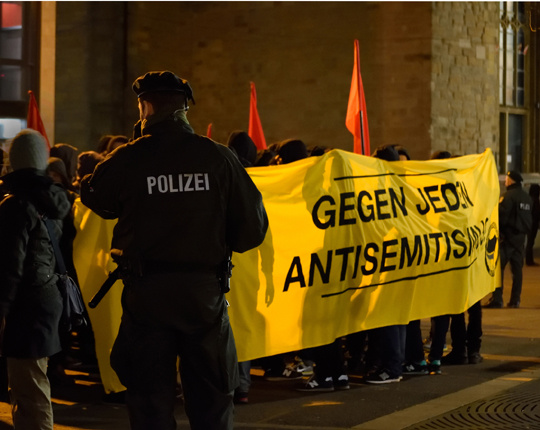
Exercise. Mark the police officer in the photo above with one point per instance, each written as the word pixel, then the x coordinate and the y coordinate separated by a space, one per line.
pixel 515 219
pixel 183 203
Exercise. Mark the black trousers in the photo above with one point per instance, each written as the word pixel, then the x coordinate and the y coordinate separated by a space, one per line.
pixel 386 348
pixel 165 320
pixel 513 255
pixel 466 338
pixel 329 360
pixel 414 347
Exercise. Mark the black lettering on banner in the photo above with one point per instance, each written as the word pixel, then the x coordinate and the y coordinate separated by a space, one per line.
pixel 453 196
pixel 422 211
pixel 370 259
pixel 436 236
pixel 316 262
pixel 464 194
pixel 329 213
pixel 345 252
pixel 394 200
pixel 356 261
pixel 475 238
pixel 406 251
pixel 296 264
pixel 426 243
pixel 387 255
pixel 433 198
pixel 450 187
pixel 380 204
pixel 369 208
pixel 458 242
pixel 448 248
pixel 371 213
pixel 343 207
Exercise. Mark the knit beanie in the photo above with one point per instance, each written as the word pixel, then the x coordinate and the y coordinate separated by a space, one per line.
pixel 28 150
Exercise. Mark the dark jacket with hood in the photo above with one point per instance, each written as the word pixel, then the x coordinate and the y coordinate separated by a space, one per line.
pixel 30 301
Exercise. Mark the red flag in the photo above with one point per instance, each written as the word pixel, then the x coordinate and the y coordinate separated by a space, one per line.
pixel 255 130
pixel 33 118
pixel 357 121
pixel 209 131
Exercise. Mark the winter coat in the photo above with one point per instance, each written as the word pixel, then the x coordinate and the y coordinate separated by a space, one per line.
pixel 515 216
pixel 30 300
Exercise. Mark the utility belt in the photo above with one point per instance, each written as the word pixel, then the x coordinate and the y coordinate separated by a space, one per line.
pixel 150 267
pixel 222 271
pixel 127 269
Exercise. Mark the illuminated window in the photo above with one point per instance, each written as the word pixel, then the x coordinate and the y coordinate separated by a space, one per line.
pixel 11 51
pixel 19 64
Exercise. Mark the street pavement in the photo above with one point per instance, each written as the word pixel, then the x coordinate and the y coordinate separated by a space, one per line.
pixel 501 393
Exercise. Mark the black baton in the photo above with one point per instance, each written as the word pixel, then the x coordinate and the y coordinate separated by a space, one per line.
pixel 109 282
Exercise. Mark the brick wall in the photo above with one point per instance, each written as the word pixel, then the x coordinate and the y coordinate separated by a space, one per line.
pixel 90 72
pixel 300 56
pixel 429 69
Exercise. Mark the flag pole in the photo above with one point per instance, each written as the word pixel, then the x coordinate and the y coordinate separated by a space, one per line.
pixel 361 116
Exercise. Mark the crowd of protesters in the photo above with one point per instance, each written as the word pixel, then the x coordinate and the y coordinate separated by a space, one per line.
pixel 383 355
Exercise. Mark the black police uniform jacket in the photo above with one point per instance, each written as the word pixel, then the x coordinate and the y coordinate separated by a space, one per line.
pixel 515 216
pixel 30 300
pixel 182 200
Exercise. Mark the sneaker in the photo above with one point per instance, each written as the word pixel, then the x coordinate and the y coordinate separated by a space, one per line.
pixel 514 305
pixel 475 358
pixel 315 385
pixel 381 377
pixel 289 373
pixel 435 367
pixel 303 368
pixel 454 358
pixel 415 368
pixel 342 383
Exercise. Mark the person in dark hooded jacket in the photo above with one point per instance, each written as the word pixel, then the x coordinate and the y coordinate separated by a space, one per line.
pixel 30 302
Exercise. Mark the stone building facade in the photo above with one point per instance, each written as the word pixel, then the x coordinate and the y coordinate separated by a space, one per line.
pixel 464 95
pixel 430 69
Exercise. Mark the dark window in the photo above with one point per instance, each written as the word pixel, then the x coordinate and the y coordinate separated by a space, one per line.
pixel 513 83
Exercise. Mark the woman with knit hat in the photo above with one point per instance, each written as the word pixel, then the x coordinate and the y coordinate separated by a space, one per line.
pixel 30 302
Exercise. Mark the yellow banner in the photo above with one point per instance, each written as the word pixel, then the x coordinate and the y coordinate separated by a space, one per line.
pixel 354 243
